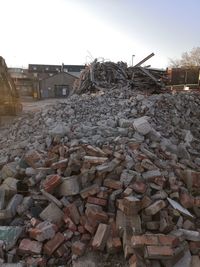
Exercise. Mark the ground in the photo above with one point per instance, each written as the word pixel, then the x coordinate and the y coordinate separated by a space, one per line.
pixel 29 104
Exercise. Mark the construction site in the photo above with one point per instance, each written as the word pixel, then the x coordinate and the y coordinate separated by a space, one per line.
pixel 107 176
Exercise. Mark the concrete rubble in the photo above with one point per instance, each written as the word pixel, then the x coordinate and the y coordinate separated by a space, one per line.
pixel 113 172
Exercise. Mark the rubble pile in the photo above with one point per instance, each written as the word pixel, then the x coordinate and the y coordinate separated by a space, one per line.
pixel 110 75
pixel 113 172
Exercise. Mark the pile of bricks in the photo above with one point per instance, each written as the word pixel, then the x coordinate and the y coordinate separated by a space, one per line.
pixel 56 205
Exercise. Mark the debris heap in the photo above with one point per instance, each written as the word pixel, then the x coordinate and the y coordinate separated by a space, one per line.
pixel 109 75
pixel 134 188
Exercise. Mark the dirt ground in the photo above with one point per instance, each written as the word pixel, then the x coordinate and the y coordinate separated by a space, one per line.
pixel 30 105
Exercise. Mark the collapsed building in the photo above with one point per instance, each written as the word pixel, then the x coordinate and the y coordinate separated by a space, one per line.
pixel 112 171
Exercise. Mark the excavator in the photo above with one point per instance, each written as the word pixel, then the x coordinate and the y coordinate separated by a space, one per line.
pixel 9 97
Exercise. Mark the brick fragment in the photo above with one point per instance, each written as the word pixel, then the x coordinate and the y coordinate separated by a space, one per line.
pixel 158 252
pixel 81 229
pixel 145 202
pixel 127 192
pixel 95 214
pixel 27 246
pixel 113 245
pixel 95 160
pixel 89 191
pixel 78 248
pixel 33 158
pixel 31 261
pixel 186 200
pixel 139 187
pixel 97 201
pixel 101 237
pixel 43 231
pixel 51 182
pixel 53 244
pixel 155 207
pixel 61 251
pixel 60 164
pixel 131 205
pixel 113 184
pixel 154 240
pixel 69 223
pixel 103 194
pixel 72 211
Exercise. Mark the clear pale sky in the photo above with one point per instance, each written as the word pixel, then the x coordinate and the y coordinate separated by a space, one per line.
pixel 56 31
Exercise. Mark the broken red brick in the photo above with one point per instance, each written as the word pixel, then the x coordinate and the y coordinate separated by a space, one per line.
pixel 32 157
pixel 43 231
pixel 131 205
pixel 72 211
pixel 142 240
pixel 78 248
pixel 186 200
pixel 28 246
pixel 167 240
pixel 81 229
pixel 154 240
pixel 60 164
pixel 51 182
pixel 155 207
pixel 89 191
pixel 40 262
pixel 61 251
pixel 197 202
pixel 94 215
pixel 145 202
pixel 110 183
pixel 69 223
pixel 158 252
pixel 139 187
pixel 54 243
pixel 103 194
pixel 97 201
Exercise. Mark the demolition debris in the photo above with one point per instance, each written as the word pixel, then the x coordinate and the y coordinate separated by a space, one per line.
pixel 117 171
pixel 110 75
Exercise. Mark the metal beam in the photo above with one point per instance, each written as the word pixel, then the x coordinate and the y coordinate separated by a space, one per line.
pixel 144 60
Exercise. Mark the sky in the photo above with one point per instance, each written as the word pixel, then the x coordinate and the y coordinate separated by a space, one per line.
pixel 77 31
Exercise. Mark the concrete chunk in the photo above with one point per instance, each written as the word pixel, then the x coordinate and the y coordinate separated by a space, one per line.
pixel 142 125
pixel 69 187
pixel 52 213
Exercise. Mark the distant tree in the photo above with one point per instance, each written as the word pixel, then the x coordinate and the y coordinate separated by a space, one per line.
pixel 188 59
